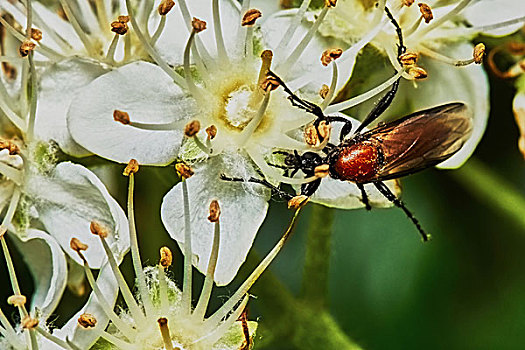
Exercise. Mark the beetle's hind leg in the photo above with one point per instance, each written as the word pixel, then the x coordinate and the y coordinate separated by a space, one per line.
pixel 364 196
pixel 385 191
pixel 263 182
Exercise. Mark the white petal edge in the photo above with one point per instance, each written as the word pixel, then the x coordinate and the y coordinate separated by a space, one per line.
pixel 47 264
pixel 243 209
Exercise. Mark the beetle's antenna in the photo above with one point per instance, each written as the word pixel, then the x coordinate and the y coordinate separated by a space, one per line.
pixel 386 100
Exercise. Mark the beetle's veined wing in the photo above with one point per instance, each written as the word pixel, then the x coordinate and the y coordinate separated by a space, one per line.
pixel 422 139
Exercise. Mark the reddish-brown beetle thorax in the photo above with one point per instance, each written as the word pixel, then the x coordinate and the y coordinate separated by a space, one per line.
pixel 358 163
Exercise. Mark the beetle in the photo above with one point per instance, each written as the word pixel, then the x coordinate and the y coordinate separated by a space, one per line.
pixel 389 151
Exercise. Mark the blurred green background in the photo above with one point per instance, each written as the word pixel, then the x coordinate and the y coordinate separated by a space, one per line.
pixel 465 289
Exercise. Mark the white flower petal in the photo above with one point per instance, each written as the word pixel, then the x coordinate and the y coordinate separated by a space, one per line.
pixel 171 47
pixel 85 338
pixel 148 95
pixel 47 263
pixel 242 212
pixel 488 12
pixel 345 195
pixel 309 61
pixel 68 200
pixel 58 86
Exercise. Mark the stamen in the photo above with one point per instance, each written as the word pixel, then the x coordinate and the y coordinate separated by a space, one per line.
pixel 151 50
pixel 13 204
pixel 331 91
pixel 32 99
pixel 102 14
pixel 110 56
pixel 266 57
pixel 211 131
pixel 122 326
pixel 435 24
pixel 426 12
pixel 243 289
pixel 250 17
pixel 124 289
pixel 477 55
pixel 87 321
pixel 338 107
pixel 88 45
pixel 407 3
pixel 8 112
pixel 130 170
pixel 52 338
pixel 217 27
pixel 121 117
pixel 242 41
pixel 36 34
pixel 158 31
pixel 298 201
pixel 188 254
pixel 165 332
pixel 165 7
pixel 26 47
pixel 120 26
pixel 408 58
pixel 29 322
pixel 254 123
pixel 197 27
pixel 121 344
pixel 417 72
pixel 296 53
pixel 17 300
pixel 184 170
pixel 187 19
pixel 294 24
pixel 166 259
pixel 29 18
pixel 202 304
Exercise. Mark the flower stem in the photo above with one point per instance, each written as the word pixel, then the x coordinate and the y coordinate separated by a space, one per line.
pixel 314 289
pixel 489 187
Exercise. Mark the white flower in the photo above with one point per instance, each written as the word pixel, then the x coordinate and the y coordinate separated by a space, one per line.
pixel 69 55
pixel 220 86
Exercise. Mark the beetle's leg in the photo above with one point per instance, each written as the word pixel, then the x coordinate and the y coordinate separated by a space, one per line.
pixel 364 196
pixel 263 182
pixel 386 100
pixel 247 344
pixel 309 189
pixel 385 191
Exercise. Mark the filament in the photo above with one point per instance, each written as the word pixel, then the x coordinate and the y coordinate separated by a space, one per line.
pixel 219 39
pixel 187 281
pixel 294 24
pixel 333 84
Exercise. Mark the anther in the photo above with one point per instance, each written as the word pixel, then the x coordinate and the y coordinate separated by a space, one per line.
pixel 165 332
pixel 26 47
pixel 198 25
pixel 29 322
pixel 192 128
pixel 479 53
pixel 166 258
pixel 324 91
pixel 131 168
pixel 407 3
pixel 184 170
pixel 120 26
pixel 266 57
pixel 417 72
pixel 165 6
pixel 17 300
pixel 250 17
pixel 36 34
pixel 298 201
pixel 211 131
pixel 98 229
pixel 426 12
pixel 77 245
pixel 313 135
pixel 330 55
pixel 269 84
pixel 321 171
pixel 215 211
pixel 408 58
pixel 330 3
pixel 87 321
pixel 121 117
pixel 12 147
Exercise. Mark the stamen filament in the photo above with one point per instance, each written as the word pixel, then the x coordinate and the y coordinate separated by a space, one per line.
pixel 13 204
pixel 474 30
pixel 124 289
pixel 88 16
pixel 135 254
pixel 110 56
pixel 333 85
pixel 242 32
pixel 243 289
pixel 163 288
pixel 187 19
pixel 151 50
pixel 29 18
pixel 76 26
pixel 296 53
pixel 102 14
pixel 52 338
pixel 188 254
pixel 127 48
pixel 11 59
pixel 122 326
pixel 121 344
pixel 202 304
pixel 439 21
pixel 413 27
pixel 205 148
pixel 165 332
pixel 219 39
pixel 338 107
pixel 32 99
pixel 194 90
pixel 158 31
pixel 254 123
pixel 12 116
pixel 437 56
pixel 294 24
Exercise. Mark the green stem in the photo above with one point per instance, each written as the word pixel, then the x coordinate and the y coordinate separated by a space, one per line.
pixel 314 289
pixel 489 187
pixel 296 323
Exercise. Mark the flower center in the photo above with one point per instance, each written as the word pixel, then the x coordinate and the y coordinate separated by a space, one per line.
pixel 239 112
